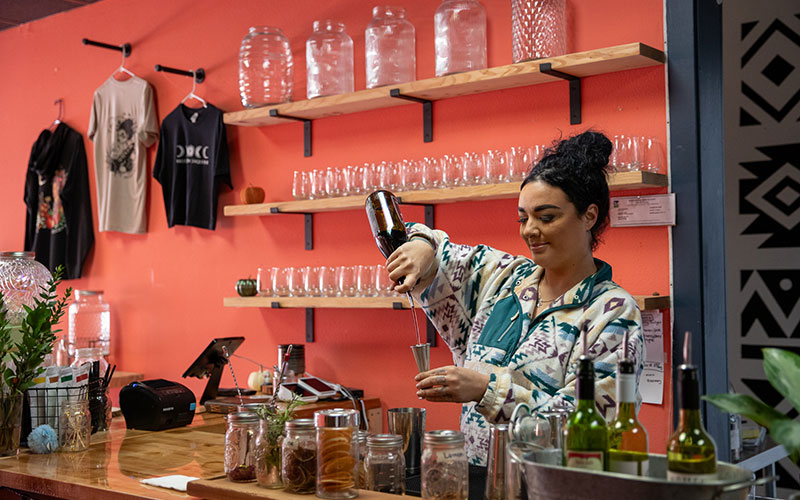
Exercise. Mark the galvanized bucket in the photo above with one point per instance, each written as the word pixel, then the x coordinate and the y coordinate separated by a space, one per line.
pixel 553 482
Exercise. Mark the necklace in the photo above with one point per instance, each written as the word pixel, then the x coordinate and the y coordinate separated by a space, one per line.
pixel 539 301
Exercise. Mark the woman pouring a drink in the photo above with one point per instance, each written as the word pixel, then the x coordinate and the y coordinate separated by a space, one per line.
pixel 512 323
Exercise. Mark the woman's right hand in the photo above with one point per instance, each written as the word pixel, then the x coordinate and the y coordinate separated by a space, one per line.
pixel 415 260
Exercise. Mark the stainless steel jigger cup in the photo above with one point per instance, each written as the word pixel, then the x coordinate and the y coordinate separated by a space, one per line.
pixel 409 423
pixel 496 471
pixel 422 355
pixel 557 418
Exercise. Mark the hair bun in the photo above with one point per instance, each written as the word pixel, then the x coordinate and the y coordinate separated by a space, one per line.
pixel 591 149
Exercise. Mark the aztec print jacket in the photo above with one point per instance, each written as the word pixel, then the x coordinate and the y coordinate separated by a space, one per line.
pixel 476 305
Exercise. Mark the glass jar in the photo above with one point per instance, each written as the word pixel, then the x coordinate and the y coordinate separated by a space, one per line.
pixel 90 355
pixel 299 457
pixel 386 466
pixel 538 29
pixel 336 453
pixel 74 425
pixel 329 60
pixel 361 451
pixel 240 446
pixel 444 466
pixel 268 454
pixel 266 70
pixel 89 322
pixel 460 36
pixel 21 278
pixel 389 47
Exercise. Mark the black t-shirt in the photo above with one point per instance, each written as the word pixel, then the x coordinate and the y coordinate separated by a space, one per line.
pixel 192 158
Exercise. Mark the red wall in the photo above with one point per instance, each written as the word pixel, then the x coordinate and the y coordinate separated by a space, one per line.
pixel 166 286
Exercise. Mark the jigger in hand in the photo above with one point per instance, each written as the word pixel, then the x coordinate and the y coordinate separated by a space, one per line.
pixel 422 355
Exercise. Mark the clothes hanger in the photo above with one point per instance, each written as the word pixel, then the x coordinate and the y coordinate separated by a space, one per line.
pixel 192 95
pixel 60 103
pixel 122 68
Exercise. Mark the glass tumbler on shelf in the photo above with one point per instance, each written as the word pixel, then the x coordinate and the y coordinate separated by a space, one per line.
pixel 460 36
pixel 389 47
pixel 444 466
pixel 74 425
pixel 89 322
pixel 265 280
pixel 475 170
pixel 266 73
pixel 538 29
pixel 329 60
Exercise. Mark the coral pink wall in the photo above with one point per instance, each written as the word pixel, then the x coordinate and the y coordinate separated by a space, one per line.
pixel 166 286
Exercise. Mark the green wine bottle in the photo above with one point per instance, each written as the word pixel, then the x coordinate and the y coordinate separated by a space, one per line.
pixel 585 432
pixel 691 453
pixel 627 438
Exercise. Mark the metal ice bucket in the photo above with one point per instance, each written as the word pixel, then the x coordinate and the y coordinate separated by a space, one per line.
pixel 553 482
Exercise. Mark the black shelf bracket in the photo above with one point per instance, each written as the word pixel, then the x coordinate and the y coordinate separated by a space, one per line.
pixel 198 74
pixel 124 48
pixel 308 222
pixel 574 91
pixel 427 113
pixel 306 129
pixel 429 213
pixel 309 324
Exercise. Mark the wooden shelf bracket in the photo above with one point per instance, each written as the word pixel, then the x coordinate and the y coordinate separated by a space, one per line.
pixel 574 91
pixel 427 113
pixel 308 223
pixel 306 129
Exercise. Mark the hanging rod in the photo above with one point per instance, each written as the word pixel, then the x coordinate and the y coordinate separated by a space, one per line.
pixel 125 48
pixel 199 74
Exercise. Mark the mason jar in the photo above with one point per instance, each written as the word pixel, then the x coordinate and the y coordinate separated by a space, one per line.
pixel 389 47
pixel 385 463
pixel 268 454
pixel 460 36
pixel 361 467
pixel 299 456
pixel 74 425
pixel 329 60
pixel 240 446
pixel 445 473
pixel 336 453
pixel 266 70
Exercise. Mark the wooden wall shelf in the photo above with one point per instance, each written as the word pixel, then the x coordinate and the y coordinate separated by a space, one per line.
pixel 616 182
pixel 580 64
pixel 646 302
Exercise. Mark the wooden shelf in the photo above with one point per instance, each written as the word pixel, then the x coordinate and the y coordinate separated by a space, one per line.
pixel 121 379
pixel 580 64
pixel 646 302
pixel 616 182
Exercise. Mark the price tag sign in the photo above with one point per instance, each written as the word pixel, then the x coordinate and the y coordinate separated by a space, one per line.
pixel 650 210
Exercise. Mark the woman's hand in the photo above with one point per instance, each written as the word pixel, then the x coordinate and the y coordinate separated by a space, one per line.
pixel 452 383
pixel 415 260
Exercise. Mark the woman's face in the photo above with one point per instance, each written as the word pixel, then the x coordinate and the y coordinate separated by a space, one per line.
pixel 557 236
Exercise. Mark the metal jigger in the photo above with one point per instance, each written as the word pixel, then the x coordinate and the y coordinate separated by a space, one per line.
pixel 422 355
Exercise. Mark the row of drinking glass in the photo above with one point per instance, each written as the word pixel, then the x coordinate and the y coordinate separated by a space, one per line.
pixel 636 153
pixel 490 167
pixel 325 281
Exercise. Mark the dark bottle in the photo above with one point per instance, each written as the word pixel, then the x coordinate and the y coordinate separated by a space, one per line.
pixel 385 221
pixel 691 452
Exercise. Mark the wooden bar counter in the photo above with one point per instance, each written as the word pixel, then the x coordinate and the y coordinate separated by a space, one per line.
pixel 118 458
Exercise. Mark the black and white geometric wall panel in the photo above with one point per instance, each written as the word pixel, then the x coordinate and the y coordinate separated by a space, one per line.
pixel 761 93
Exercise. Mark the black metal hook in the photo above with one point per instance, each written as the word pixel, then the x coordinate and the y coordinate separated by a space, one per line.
pixel 199 74
pixel 124 48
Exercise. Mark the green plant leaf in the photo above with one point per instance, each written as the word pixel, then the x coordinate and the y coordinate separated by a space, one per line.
pixel 745 405
pixel 783 371
pixel 787 433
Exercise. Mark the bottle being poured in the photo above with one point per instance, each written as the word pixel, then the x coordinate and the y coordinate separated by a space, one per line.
pixel 389 232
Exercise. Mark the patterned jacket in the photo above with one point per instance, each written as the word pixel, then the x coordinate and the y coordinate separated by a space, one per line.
pixel 476 305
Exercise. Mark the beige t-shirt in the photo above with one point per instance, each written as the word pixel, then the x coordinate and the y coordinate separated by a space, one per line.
pixel 122 125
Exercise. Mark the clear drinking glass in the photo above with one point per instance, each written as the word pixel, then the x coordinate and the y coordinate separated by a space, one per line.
pixel 294 278
pixel 280 282
pixel 495 161
pixel 265 281
pixel 474 170
pixel 389 47
pixel 329 60
pixel 519 160
pixel 430 173
pixel 298 186
pixel 327 281
pixel 621 154
pixel 538 29
pixel 653 155
pixel 366 281
pixel 452 171
pixel 311 281
pixel 346 281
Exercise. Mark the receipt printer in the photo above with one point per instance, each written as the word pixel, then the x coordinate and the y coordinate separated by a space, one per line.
pixel 154 405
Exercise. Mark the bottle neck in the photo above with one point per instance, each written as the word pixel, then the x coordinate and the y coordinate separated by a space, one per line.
pixel 688 390
pixel 584 381
pixel 690 419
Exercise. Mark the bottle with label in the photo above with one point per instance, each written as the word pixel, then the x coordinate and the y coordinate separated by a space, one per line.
pixel 691 452
pixel 627 437
pixel 586 432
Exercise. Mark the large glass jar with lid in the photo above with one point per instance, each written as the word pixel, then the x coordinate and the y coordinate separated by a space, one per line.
pixel 89 322
pixel 299 456
pixel 386 465
pixel 21 278
pixel 460 36
pixel 266 70
pixel 336 453
pixel 389 47
pixel 240 446
pixel 329 60
pixel 445 473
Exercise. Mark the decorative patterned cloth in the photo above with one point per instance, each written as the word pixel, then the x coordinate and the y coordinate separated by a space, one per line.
pixel 481 300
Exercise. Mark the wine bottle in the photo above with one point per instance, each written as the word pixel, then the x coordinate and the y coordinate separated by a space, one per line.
pixel 585 432
pixel 627 437
pixel 385 221
pixel 691 452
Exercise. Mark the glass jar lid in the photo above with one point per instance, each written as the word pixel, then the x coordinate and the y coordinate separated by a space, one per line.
pixel 87 293
pixel 242 417
pixel 337 417
pixel 301 424
pixel 17 255
pixel 384 441
pixel 444 437
pixel 361 436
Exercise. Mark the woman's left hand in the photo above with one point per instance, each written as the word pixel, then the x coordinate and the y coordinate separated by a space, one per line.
pixel 452 383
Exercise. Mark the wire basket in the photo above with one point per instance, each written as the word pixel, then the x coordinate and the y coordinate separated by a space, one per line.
pixel 42 405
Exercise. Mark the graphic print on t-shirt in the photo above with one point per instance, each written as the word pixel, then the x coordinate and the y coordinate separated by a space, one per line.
pixel 51 211
pixel 120 156
pixel 192 154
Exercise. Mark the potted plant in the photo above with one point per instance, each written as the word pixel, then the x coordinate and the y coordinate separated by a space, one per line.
pixel 269 441
pixel 783 372
pixel 22 358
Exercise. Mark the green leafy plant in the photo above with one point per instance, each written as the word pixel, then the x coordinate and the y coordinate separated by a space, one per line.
pixel 782 368
pixel 275 419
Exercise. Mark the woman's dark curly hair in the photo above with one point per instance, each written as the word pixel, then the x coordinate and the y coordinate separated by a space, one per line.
pixel 578 167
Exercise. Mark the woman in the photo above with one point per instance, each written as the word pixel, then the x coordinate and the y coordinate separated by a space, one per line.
pixel 514 324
